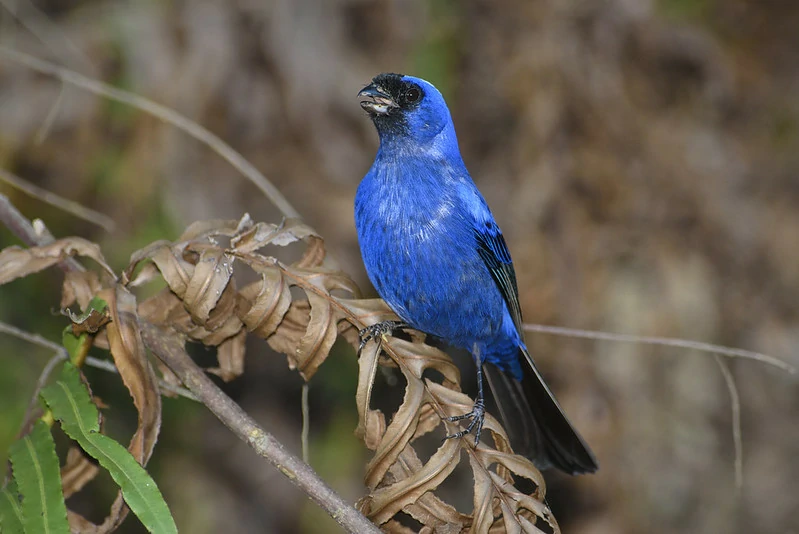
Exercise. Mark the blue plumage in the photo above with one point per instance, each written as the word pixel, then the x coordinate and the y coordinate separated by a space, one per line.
pixel 435 254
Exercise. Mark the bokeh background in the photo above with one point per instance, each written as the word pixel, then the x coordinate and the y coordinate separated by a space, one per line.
pixel 642 157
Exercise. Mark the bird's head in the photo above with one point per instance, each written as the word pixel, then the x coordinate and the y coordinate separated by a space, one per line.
pixel 406 109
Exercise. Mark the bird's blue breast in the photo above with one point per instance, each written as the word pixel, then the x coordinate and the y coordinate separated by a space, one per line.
pixel 418 244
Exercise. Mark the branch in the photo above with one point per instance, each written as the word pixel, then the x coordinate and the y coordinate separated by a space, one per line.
pixel 241 424
pixel 161 112
pixel 663 341
pixel 737 439
pixel 70 206
pixel 30 337
pixel 21 227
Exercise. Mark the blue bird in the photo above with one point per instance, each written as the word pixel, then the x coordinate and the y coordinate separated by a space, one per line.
pixel 434 253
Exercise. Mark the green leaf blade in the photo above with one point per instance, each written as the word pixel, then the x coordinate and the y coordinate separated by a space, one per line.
pixel 71 404
pixel 37 473
pixel 139 489
pixel 11 520
pixel 71 342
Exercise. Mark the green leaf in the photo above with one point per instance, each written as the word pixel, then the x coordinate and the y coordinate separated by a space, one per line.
pixel 72 342
pixel 11 510
pixel 71 404
pixel 97 304
pixel 36 471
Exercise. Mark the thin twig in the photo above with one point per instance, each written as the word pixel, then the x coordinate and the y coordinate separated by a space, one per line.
pixel 240 423
pixel 61 354
pixel 165 114
pixel 49 33
pixel 30 337
pixel 49 120
pixel 21 227
pixel 735 404
pixel 306 424
pixel 663 341
pixel 70 206
pixel 30 413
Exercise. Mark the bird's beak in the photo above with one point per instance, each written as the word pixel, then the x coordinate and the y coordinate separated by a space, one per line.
pixel 375 100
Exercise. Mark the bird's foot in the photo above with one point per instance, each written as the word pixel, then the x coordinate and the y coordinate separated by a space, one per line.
pixel 377 330
pixel 477 416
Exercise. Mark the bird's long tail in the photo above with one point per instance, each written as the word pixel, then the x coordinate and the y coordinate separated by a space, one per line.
pixel 536 423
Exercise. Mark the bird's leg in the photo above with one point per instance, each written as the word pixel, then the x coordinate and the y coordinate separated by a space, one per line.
pixel 477 415
pixel 377 330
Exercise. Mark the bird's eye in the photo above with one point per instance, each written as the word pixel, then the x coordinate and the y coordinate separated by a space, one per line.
pixel 413 95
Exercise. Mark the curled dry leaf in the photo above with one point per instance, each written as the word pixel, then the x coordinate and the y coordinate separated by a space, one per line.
pixel 80 287
pixel 399 481
pixel 413 361
pixel 324 316
pixel 395 527
pixel 231 357
pixel 198 270
pixel 410 479
pixel 264 303
pixel 371 423
pixel 78 471
pixel 17 262
pixel 130 358
pixel 90 322
pixel 138 376
pixel 199 276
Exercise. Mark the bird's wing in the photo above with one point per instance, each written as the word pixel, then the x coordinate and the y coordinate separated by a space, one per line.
pixel 494 252
pixel 492 248
pixel 539 428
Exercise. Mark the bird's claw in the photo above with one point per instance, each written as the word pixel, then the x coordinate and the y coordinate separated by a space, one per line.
pixel 477 416
pixel 377 330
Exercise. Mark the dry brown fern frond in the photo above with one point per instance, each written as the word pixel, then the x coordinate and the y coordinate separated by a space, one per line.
pixel 203 303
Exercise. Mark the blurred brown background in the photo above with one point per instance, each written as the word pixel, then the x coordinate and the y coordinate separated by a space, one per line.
pixel 640 155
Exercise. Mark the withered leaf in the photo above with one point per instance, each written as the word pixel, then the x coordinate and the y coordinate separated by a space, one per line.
pixel 319 337
pixel 78 471
pixel 431 511
pixel 371 423
pixel 17 262
pixel 289 332
pixel 208 280
pixel 80 287
pixel 261 234
pixel 91 323
pixel 163 308
pixel 314 254
pixel 128 351
pixel 231 357
pixel 395 527
pixel 95 316
pixel 203 230
pixel 413 480
pixel 368 311
pixel 397 435
pixel 266 302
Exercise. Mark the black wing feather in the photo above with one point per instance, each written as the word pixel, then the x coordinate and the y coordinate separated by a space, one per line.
pixel 494 252
pixel 534 418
